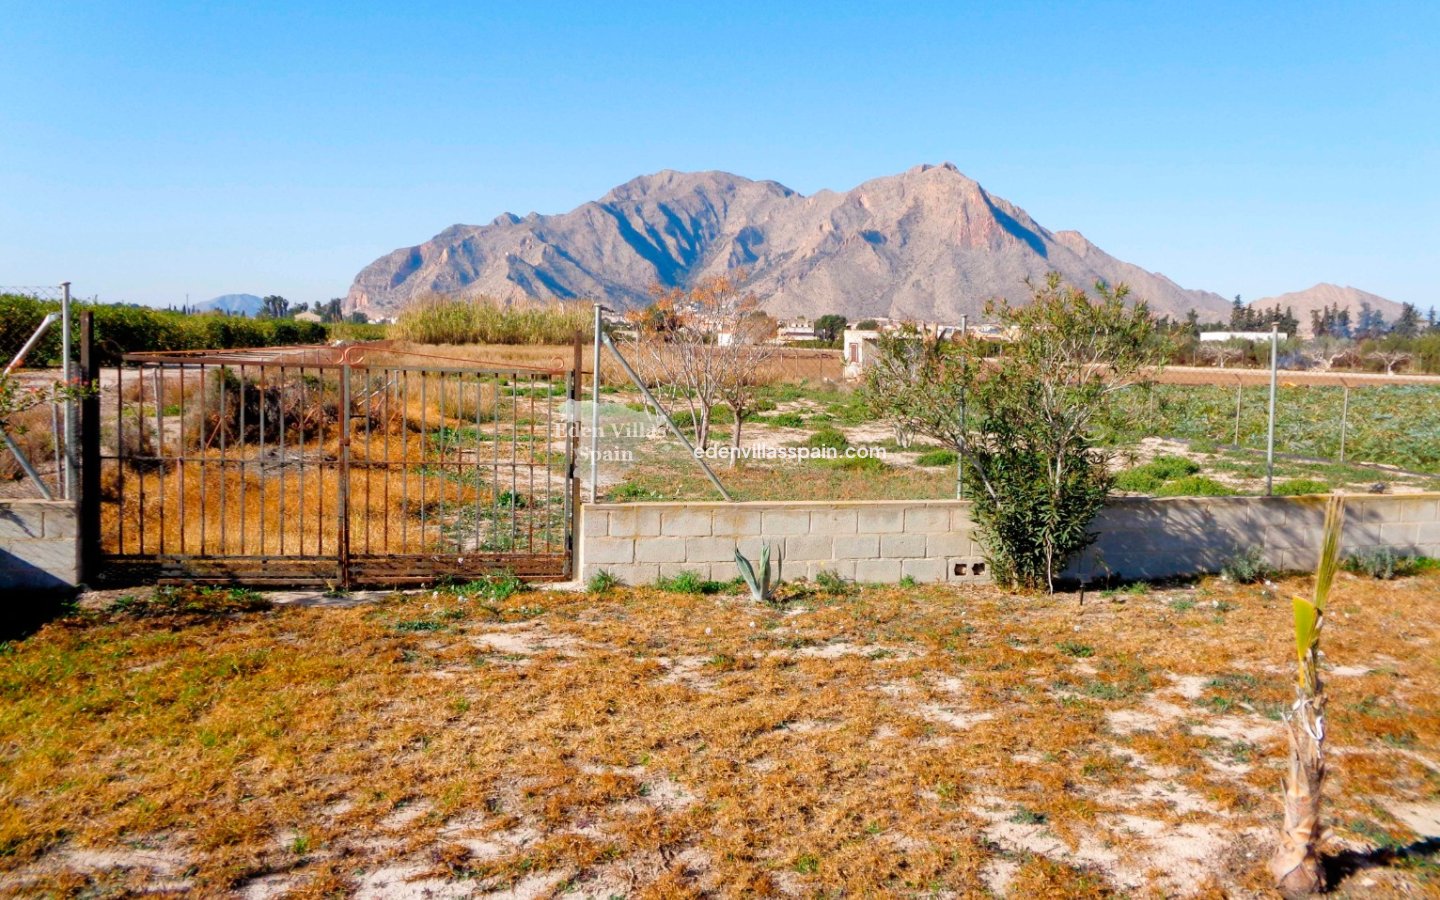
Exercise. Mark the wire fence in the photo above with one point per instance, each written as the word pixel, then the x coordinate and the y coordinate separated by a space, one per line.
pixel 36 414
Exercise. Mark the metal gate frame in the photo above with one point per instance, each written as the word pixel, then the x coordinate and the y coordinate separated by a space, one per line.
pixel 345 559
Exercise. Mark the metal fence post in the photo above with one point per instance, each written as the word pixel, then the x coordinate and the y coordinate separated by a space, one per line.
pixel 69 376
pixel 1239 389
pixel 595 411
pixel 342 484
pixel 1344 419
pixel 572 447
pixel 89 512
pixel 1270 436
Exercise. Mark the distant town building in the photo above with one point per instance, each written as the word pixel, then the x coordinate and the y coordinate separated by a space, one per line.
pixel 860 346
pixel 307 316
pixel 794 331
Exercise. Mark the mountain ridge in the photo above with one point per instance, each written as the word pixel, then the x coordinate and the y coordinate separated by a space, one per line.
pixel 928 243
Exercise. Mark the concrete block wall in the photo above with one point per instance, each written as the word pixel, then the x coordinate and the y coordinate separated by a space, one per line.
pixel 1158 538
pixel 39 545
pixel 866 541
pixel 933 540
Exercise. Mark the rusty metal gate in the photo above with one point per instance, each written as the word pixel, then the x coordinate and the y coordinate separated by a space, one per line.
pixel 334 466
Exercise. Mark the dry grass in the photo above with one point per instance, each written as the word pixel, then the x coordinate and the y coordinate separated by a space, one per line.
pixel 921 741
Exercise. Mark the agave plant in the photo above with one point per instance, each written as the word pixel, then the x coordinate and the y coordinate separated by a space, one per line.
pixel 759 584
pixel 1296 865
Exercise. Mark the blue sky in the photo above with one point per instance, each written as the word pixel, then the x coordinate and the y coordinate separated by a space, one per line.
pixel 150 150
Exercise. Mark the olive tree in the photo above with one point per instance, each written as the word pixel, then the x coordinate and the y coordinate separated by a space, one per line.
pixel 1026 422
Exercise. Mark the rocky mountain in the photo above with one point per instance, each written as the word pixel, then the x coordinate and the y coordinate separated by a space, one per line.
pixel 233 304
pixel 1323 295
pixel 928 243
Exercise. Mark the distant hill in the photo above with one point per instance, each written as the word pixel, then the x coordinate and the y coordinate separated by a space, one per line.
pixel 233 304
pixel 1323 295
pixel 928 244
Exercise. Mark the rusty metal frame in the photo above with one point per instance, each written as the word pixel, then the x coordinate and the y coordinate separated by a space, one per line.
pixel 335 466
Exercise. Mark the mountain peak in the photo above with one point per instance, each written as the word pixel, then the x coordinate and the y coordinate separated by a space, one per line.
pixel 669 182
pixel 927 243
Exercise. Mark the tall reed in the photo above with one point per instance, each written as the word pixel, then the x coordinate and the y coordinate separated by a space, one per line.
pixel 438 319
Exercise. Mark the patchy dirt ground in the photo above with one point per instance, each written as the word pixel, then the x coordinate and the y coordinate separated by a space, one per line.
pixel 928 742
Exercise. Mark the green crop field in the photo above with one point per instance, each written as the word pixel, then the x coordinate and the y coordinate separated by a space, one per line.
pixel 1397 425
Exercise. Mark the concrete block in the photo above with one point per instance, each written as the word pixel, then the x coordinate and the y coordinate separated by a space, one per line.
pixel 659 550
pixel 707 550
pixel 809 547
pixel 857 546
pixel 1288 537
pixel 962 569
pixel 955 543
pixel 833 521
pixel 877 571
pixel 925 570
pixel 44 565
pixel 594 523
pixel 845 568
pixel 1399 535
pixel 1427 533
pixel 752 547
pixel 902 546
pixel 781 522
pixel 607 550
pixel 960 519
pixel 1423 511
pixel 735 522
pixel 880 519
pixel 927 519
pixel 640 521
pixel 683 522
pixel 21 521
pixel 62 520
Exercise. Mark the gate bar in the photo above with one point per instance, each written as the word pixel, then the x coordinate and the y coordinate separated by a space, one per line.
pixel 89 451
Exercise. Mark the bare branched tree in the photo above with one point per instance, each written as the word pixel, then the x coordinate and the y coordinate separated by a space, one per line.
pixel 704 346
pixel 1390 359
pixel 1220 354
pixel 747 353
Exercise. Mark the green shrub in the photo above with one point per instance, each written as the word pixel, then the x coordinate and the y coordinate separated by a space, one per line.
pixel 1148 478
pixel 689 582
pixel 940 456
pixel 1247 567
pixel 126 329
pixel 1137 481
pixel 629 491
pixel 1169 467
pixel 833 583
pixel 1194 486
pixel 601 582
pixel 497 587
pixel 1298 487
pixel 783 420
pixel 1384 564
pixel 829 439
